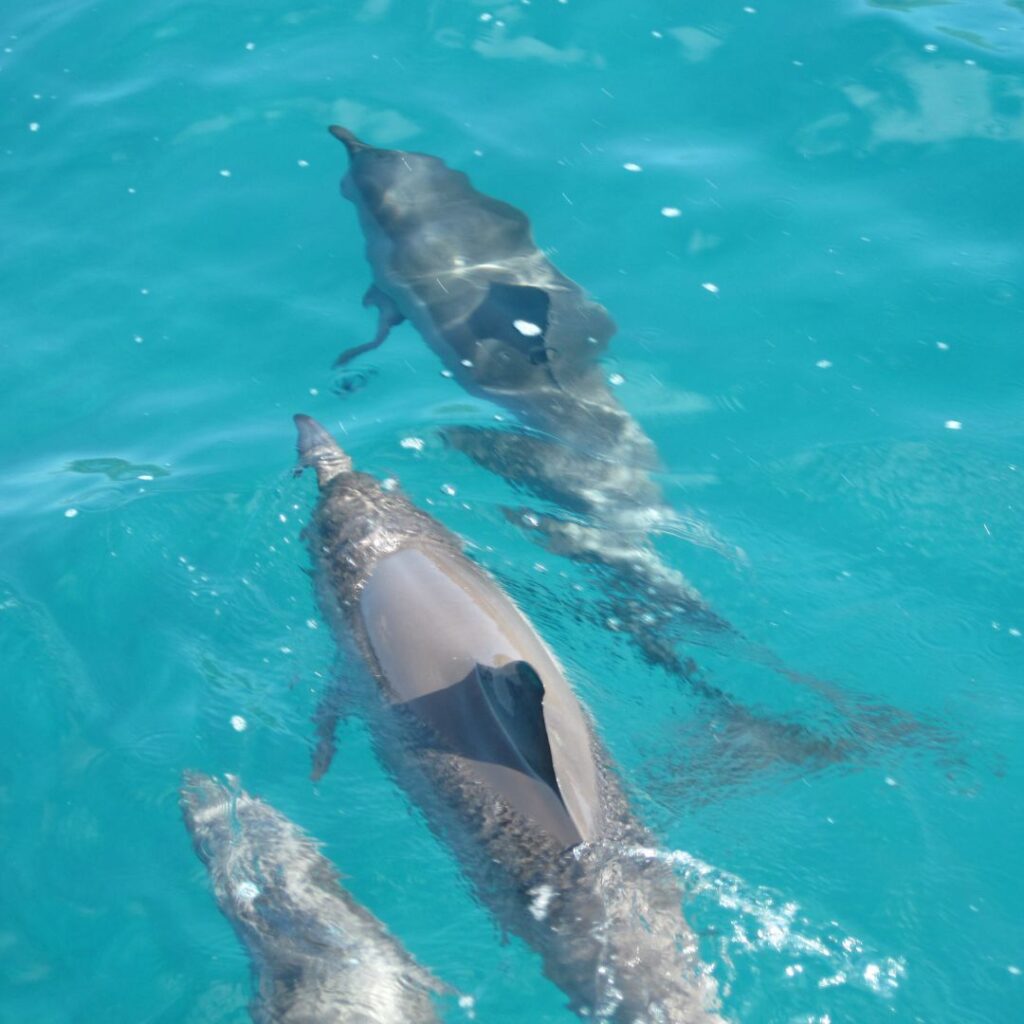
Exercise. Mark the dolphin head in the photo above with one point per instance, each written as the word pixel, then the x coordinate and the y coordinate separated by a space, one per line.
pixel 393 185
pixel 208 807
pixel 238 838
pixel 235 835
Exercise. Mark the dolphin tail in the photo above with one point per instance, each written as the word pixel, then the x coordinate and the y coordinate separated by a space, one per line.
pixel 319 451
pixel 348 139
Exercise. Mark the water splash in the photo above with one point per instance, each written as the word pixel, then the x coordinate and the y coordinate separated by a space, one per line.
pixel 750 923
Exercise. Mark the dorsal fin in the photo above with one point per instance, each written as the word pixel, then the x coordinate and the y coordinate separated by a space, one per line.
pixel 515 694
pixel 494 715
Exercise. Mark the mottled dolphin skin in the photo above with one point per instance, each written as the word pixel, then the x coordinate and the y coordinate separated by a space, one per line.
pixel 473 716
pixel 319 957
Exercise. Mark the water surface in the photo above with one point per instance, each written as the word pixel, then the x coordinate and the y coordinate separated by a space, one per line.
pixel 824 343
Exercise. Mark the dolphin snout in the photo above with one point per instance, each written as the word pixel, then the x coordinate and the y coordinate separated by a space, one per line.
pixel 344 136
pixel 318 449
pixel 203 799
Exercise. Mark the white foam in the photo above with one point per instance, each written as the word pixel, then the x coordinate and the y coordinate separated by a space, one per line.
pixel 761 920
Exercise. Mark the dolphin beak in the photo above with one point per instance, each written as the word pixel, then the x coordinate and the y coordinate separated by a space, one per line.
pixel 350 142
pixel 204 803
pixel 312 436
pixel 200 792
pixel 319 450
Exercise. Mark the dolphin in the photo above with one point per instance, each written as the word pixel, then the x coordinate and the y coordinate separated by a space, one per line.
pixel 320 957
pixel 464 269
pixel 473 715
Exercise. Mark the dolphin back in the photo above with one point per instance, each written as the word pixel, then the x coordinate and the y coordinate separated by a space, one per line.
pixel 455 653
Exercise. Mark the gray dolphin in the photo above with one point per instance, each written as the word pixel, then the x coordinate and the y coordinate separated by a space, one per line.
pixel 320 957
pixel 474 717
pixel 464 269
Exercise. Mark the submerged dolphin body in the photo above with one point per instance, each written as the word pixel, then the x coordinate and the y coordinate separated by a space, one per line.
pixel 464 269
pixel 474 717
pixel 320 957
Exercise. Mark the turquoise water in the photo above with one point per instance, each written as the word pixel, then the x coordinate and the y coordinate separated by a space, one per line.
pixel 179 272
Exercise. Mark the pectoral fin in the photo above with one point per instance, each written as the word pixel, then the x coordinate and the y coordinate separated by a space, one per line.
pixel 329 711
pixel 389 317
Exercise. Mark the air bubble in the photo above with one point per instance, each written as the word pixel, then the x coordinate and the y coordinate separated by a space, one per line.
pixel 527 329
